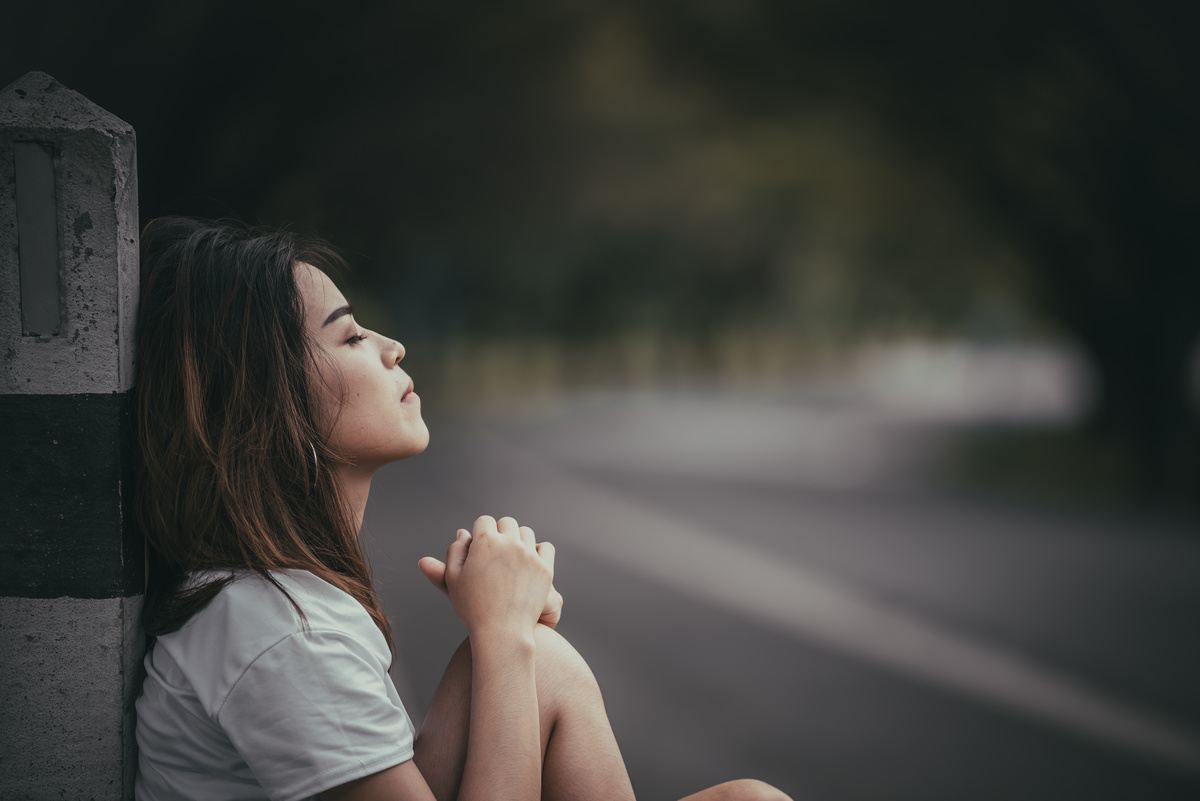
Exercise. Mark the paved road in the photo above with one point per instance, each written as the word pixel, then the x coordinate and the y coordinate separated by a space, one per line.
pixel 779 590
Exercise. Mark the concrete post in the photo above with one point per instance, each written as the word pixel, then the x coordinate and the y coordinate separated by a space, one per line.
pixel 71 565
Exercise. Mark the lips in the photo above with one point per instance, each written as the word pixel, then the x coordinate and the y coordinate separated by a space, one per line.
pixel 407 391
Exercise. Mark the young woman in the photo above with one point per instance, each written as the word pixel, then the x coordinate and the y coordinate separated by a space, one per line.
pixel 263 410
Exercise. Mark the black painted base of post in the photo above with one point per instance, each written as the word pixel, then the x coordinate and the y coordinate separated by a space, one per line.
pixel 66 474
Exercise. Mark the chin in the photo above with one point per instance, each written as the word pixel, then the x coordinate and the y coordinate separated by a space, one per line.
pixel 416 444
pixel 421 445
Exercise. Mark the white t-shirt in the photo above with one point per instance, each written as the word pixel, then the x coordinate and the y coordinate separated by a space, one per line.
pixel 246 702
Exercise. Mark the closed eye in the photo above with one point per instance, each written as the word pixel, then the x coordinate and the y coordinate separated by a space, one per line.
pixel 354 340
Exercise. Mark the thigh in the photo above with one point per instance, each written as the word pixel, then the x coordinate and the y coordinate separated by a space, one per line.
pixel 440 750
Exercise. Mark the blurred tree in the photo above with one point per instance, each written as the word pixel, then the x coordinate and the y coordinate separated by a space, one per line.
pixel 579 169
pixel 1074 125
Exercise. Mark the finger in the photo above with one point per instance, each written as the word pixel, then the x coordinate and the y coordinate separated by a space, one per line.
pixel 508 525
pixel 545 551
pixel 527 536
pixel 435 571
pixel 484 525
pixel 552 612
pixel 456 555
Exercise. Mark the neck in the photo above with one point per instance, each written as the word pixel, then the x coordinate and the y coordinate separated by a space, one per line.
pixel 356 486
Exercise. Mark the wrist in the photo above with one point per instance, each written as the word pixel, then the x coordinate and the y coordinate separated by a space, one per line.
pixel 501 639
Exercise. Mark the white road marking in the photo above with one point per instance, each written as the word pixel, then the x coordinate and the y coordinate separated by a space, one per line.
pixel 800 601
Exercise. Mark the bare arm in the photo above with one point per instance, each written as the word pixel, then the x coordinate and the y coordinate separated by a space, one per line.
pixel 504 761
pixel 498 580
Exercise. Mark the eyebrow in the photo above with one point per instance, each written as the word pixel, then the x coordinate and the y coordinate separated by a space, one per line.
pixel 337 313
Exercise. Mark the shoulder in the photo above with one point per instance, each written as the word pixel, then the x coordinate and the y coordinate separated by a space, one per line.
pixel 325 606
pixel 252 607
pixel 251 616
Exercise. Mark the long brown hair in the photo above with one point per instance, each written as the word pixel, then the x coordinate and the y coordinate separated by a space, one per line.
pixel 234 468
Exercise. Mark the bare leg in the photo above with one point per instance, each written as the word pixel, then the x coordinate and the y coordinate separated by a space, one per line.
pixel 580 759
pixel 740 790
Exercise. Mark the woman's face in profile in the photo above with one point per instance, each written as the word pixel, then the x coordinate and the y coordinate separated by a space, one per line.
pixel 366 401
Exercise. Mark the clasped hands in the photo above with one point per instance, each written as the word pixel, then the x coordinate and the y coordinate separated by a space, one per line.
pixel 497 569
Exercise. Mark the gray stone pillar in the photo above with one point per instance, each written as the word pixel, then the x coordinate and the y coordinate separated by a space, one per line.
pixel 71 565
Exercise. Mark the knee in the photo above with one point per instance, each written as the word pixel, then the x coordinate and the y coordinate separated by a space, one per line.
pixel 559 665
pixel 750 790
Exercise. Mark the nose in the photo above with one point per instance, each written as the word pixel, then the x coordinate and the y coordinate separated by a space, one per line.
pixel 393 353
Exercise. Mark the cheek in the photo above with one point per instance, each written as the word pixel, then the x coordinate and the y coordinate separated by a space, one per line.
pixel 366 402
pixel 328 396
pixel 359 390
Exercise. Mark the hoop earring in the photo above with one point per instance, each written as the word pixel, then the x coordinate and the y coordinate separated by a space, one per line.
pixel 315 464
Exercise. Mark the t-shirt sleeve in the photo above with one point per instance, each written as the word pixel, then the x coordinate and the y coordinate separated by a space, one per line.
pixel 314 711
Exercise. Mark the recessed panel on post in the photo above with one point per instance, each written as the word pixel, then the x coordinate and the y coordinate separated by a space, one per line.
pixel 37 238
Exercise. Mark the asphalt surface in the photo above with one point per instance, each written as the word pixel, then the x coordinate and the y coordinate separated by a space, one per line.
pixel 782 590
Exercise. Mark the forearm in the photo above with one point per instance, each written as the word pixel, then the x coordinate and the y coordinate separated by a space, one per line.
pixel 504 756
